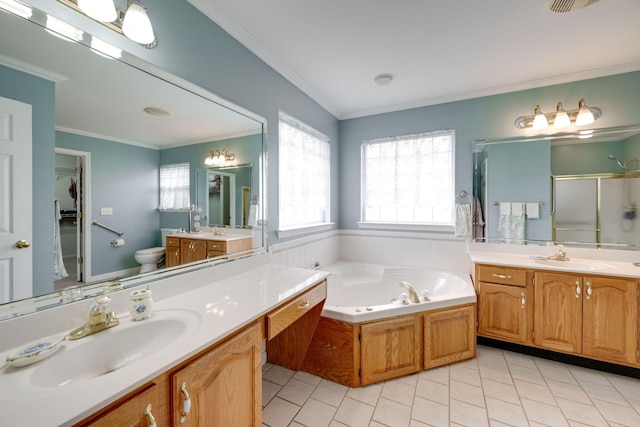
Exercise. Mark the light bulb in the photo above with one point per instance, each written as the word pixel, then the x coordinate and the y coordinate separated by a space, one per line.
pixel 562 118
pixel 137 26
pixel 100 10
pixel 539 121
pixel 585 116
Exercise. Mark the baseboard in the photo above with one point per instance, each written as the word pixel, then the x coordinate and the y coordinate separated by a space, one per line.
pixel 584 362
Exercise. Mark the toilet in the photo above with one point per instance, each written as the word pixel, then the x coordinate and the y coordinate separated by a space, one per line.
pixel 149 258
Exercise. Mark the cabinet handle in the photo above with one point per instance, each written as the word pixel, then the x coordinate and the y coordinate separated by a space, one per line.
pixel 147 412
pixel 501 276
pixel 578 290
pixel 588 290
pixel 186 405
pixel 522 301
pixel 304 306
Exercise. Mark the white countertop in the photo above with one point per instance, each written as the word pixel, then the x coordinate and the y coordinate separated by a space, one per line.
pixel 585 261
pixel 223 306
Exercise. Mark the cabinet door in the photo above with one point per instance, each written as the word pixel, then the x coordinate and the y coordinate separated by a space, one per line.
pixel 172 256
pixel 390 348
pixel 504 312
pixel 130 413
pixel 449 336
pixel 610 319
pixel 224 385
pixel 558 311
pixel 192 250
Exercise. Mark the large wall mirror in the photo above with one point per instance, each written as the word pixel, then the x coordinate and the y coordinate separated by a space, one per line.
pixel 101 130
pixel 577 188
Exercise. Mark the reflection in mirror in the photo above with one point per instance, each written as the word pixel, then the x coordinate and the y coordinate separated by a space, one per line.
pixel 104 177
pixel 575 188
pixel 224 195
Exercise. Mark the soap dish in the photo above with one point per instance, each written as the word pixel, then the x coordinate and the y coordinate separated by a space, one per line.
pixel 36 351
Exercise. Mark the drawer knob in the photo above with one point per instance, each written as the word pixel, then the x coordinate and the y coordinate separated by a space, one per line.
pixel 304 306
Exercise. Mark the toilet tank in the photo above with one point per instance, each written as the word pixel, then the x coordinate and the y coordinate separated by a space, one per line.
pixel 164 232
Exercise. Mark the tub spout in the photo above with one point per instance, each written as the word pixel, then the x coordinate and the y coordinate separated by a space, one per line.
pixel 413 295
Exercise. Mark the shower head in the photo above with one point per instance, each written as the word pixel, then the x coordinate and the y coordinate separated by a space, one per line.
pixel 622 165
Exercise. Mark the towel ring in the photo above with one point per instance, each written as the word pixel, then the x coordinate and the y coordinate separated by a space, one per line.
pixel 463 198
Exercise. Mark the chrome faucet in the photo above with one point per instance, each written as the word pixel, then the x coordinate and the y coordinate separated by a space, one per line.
pixel 413 295
pixel 99 319
pixel 560 255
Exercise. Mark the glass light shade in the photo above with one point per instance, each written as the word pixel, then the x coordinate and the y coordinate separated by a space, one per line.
pixel 585 116
pixel 539 121
pixel 137 26
pixel 562 120
pixel 100 10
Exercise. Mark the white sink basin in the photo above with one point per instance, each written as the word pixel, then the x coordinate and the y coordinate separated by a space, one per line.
pixel 575 265
pixel 114 348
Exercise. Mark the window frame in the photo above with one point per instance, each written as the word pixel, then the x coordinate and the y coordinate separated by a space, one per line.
pixel 408 225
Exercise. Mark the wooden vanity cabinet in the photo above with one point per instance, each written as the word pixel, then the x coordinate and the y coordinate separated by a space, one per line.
pixel 590 315
pixel 137 410
pixel 505 303
pixel 224 386
pixel 192 250
pixel 172 252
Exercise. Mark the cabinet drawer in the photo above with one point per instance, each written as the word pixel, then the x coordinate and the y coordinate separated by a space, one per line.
pixel 217 245
pixel 502 275
pixel 279 319
pixel 173 241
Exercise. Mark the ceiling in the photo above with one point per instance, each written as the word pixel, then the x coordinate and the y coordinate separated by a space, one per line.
pixel 438 51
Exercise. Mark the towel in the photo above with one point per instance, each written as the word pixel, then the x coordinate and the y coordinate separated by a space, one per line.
pixel 511 224
pixel 478 219
pixel 463 220
pixel 59 272
pixel 533 210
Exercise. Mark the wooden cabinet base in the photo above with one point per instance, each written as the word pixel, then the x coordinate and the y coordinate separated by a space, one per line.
pixel 363 353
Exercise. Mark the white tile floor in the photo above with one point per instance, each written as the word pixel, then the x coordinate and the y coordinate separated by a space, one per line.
pixel 498 388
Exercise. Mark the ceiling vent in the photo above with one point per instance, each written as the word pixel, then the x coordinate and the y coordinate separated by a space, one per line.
pixel 561 6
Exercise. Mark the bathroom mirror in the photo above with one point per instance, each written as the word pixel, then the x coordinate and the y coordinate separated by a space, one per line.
pixel 581 188
pixel 88 112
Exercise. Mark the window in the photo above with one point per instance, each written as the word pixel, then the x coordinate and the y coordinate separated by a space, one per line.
pixel 304 183
pixel 174 187
pixel 408 179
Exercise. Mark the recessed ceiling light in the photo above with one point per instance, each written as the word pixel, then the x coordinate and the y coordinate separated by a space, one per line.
pixel 156 111
pixel 383 79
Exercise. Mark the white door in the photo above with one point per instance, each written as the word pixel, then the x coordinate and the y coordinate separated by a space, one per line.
pixel 15 201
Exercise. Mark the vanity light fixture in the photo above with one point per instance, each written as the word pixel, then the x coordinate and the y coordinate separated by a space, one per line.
pixel 219 157
pixel 17 8
pixel 581 116
pixel 133 22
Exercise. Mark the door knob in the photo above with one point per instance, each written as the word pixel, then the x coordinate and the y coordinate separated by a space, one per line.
pixel 21 244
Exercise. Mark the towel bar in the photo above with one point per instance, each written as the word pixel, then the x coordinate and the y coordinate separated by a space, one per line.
pixel 107 228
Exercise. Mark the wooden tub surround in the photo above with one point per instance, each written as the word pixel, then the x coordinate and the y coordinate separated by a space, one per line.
pixel 357 354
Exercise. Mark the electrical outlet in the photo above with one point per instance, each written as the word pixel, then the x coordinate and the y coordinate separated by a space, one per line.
pixel 106 211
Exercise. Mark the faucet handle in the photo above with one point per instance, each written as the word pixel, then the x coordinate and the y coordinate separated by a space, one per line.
pixel 101 302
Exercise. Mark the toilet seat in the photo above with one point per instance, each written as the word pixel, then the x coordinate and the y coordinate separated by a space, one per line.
pixel 151 251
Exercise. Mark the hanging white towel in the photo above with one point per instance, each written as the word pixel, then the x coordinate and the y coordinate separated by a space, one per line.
pixel 59 272
pixel 533 210
pixel 463 220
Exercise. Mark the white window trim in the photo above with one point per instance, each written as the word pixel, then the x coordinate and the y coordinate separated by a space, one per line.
pixel 405 226
pixel 297 231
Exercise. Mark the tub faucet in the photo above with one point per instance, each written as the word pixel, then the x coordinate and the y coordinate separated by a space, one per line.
pixel 99 320
pixel 413 295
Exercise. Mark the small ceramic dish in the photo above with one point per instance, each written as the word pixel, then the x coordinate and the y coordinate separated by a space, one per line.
pixel 36 351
